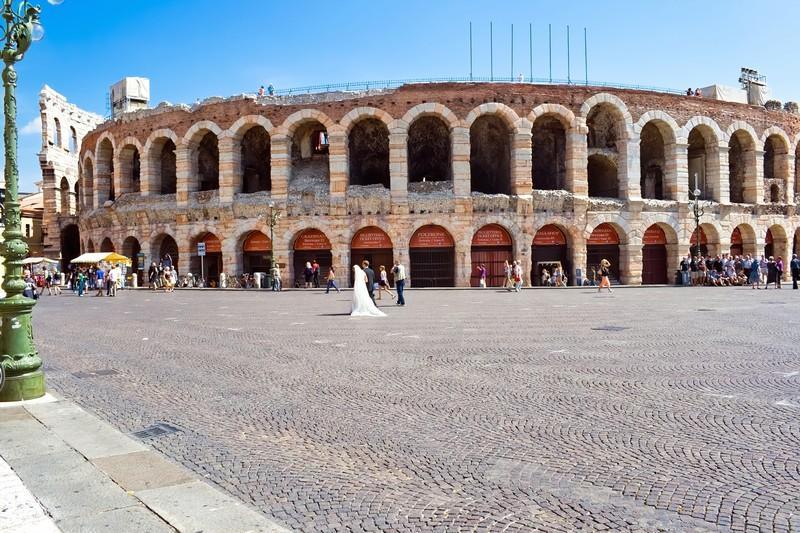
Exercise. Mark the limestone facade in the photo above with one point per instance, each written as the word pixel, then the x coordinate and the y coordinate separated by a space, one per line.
pixel 342 162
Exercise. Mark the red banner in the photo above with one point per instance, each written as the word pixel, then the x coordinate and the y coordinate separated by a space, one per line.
pixel 604 234
pixel 431 237
pixel 703 239
pixel 549 235
pixel 491 235
pixel 371 238
pixel 654 235
pixel 213 246
pixel 257 242
pixel 312 239
pixel 736 236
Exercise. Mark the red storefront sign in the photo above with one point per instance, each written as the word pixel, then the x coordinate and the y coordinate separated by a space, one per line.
pixel 257 242
pixel 213 246
pixel 703 239
pixel 549 235
pixel 736 236
pixel 371 238
pixel 768 240
pixel 312 239
pixel 491 235
pixel 431 237
pixel 604 234
pixel 654 235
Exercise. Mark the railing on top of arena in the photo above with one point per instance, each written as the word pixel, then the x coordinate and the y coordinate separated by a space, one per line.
pixel 393 84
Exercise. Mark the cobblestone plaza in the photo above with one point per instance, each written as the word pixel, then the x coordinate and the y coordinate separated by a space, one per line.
pixel 646 409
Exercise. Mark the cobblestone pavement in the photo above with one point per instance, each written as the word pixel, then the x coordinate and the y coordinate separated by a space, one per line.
pixel 465 410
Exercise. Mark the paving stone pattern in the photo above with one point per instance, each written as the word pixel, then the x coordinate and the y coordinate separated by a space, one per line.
pixel 465 410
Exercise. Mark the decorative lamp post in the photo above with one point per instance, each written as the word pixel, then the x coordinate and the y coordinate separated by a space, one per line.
pixel 18 355
pixel 697 211
pixel 272 219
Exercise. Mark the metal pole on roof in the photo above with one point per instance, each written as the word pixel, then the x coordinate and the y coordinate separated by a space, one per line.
pixel 530 48
pixel 550 48
pixel 512 52
pixel 491 53
pixel 470 51
pixel 569 75
pixel 585 58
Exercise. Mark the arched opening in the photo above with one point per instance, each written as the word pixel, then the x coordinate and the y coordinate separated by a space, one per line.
pixel 368 153
pixel 167 250
pixel 105 173
pixel 209 265
pixel 491 247
pixel 310 169
pixel 88 184
pixel 549 250
pixel 603 243
pixel 311 246
pixel 131 248
pixel 107 246
pixel 549 140
pixel 708 241
pixel 702 152
pixel 206 162
pixel 57 132
pixel 64 189
pixel 130 168
pixel 774 193
pixel 257 253
pixel 163 164
pixel 429 150
pixel 73 140
pixel 490 155
pixel 741 167
pixel 776 168
pixel 90 246
pixel 654 256
pixel 75 198
pixel 737 242
pixel 602 175
pixel 652 162
pixel 70 245
pixel 255 148
pixel 374 245
pixel 432 257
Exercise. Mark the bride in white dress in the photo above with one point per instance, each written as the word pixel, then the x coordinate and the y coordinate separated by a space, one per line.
pixel 362 303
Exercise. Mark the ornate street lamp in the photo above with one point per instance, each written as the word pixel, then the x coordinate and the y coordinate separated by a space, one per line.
pixel 272 219
pixel 18 355
pixel 697 211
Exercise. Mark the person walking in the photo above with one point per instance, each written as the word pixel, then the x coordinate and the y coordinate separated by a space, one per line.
pixel 81 282
pixel 276 277
pixel 331 281
pixel 517 271
pixel 755 275
pixel 763 267
pixel 308 275
pixel 794 267
pixel 399 272
pixel 772 272
pixel 383 282
pixel 605 266
pixel 370 279
pixel 315 273
pixel 100 283
pixel 152 276
pixel 507 273
pixel 481 276
pixel 779 272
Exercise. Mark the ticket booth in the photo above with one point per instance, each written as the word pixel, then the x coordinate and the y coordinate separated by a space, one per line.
pixel 654 256
pixel 491 247
pixel 549 248
pixel 432 258
pixel 311 245
pixel 374 245
pixel 603 243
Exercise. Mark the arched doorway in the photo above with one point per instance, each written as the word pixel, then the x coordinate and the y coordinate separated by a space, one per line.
pixel 769 244
pixel 257 253
pixel 210 267
pixel 737 243
pixel 90 246
pixel 107 245
pixel 432 257
pixel 368 153
pixel 490 155
pixel 166 245
pixel 703 248
pixel 70 245
pixel 603 243
pixel 309 246
pixel 654 256
pixel 491 247
pixel 374 245
pixel 549 247
pixel 131 248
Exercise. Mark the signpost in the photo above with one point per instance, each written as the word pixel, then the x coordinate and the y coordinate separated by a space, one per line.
pixel 201 251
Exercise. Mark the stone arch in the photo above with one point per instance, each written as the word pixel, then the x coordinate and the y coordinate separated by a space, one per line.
pixel 549 146
pixel 87 175
pixel 666 124
pixel 131 247
pixel 742 165
pixel 749 239
pixel 704 136
pixel 238 129
pixel 65 197
pixel 160 149
pixel 776 165
pixel 429 147
pixel 104 169
pixel 90 246
pixel 610 99
pixel 359 114
pixel 107 245
pixel 368 149
pixel 609 126
pixel 712 234
pixel 162 244
pixel 602 176
pixel 254 151
pixel 129 166
pixel 73 140
pixel 508 115
pixel 780 244
pixel 307 132
pixel 563 114
pixel 615 221
pixel 202 142
pixel 70 240
pixel 490 152
pixel 305 116
pixel 657 155
pixel 431 109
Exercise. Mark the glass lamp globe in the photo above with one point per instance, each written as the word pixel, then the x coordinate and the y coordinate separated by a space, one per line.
pixel 37 31
pixel 54 2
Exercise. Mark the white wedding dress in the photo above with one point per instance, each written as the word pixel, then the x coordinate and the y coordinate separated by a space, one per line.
pixel 362 303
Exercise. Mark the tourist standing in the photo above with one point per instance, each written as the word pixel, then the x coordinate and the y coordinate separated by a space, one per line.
pixel 605 280
pixel 482 276
pixel 794 266
pixel 755 275
pixel 81 282
pixel 685 271
pixel 315 273
pixel 517 276
pixel 383 282
pixel 399 272
pixel 763 267
pixel 331 281
pixel 276 277
pixel 308 275
pixel 152 276
pixel 100 282
pixel 772 272
pixel 778 272
pixel 507 274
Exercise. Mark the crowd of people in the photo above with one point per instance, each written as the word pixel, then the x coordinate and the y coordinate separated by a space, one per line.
pixel 728 270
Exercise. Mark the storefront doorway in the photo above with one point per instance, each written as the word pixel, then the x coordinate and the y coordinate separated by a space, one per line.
pixel 257 253
pixel 654 256
pixel 603 243
pixel 432 254
pixel 491 247
pixel 312 245
pixel 549 249
pixel 211 265
pixel 374 245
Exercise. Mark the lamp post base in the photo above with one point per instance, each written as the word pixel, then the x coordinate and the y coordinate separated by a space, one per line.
pixel 23 387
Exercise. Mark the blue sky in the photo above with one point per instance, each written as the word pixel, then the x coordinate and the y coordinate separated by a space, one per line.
pixel 197 48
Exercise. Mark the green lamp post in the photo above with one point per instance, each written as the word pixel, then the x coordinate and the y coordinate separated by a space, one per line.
pixel 18 355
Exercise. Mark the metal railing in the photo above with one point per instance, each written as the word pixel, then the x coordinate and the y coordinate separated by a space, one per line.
pixel 359 86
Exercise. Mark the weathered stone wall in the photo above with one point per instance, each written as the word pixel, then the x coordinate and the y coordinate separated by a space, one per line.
pixel 317 191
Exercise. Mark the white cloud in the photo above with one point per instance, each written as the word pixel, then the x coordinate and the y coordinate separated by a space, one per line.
pixel 34 127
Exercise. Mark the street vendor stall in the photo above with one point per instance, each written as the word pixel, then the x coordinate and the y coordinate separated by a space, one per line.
pixel 38 267
pixel 93 258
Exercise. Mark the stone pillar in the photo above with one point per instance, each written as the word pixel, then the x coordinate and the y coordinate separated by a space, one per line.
pixel 522 159
pixel 103 177
pixel 629 170
pixel 149 172
pixel 577 256
pixel 790 179
pixel 337 150
pixel 522 253
pixel 630 268
pixel 281 160
pixel 719 173
pixel 576 161
pixel 463 266
pixel 122 172
pixel 186 182
pixel 398 168
pixel 461 171
pixel 754 186
pixel 231 260
pixel 343 265
pixel 230 168
pixel 673 261
pixel 676 172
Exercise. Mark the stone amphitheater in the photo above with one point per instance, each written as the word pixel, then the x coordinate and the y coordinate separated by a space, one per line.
pixel 441 176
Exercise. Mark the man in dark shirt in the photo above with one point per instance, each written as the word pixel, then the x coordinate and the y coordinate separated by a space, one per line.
pixel 794 266
pixel 370 279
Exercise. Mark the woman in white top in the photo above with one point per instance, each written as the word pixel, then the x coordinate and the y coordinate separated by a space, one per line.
pixel 362 304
